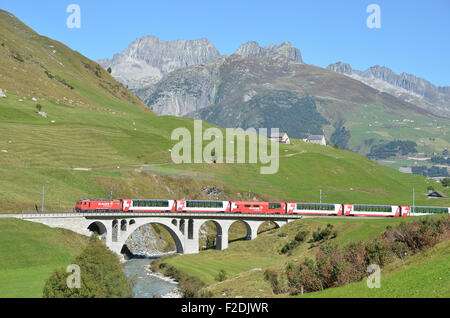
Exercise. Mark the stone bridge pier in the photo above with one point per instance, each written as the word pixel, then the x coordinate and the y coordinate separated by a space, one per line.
pixel 115 228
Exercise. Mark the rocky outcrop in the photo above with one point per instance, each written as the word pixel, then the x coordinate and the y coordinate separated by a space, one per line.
pixel 145 241
pixel 340 67
pixel 2 94
pixel 183 91
pixel 145 61
pixel 253 50
pixel 405 86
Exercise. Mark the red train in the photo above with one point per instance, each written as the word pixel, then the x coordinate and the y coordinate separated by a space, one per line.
pixel 139 205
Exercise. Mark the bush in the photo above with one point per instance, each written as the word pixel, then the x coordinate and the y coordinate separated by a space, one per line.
pixel 100 274
pixel 301 236
pixel 190 286
pixel 325 234
pixel 446 182
pixel 221 276
pixel 377 252
pixel 418 235
pixel 275 282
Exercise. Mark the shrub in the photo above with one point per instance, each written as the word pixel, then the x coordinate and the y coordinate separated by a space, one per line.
pixel 275 282
pixel 377 252
pixel 190 286
pixel 446 182
pixel 301 236
pixel 325 234
pixel 101 275
pixel 221 276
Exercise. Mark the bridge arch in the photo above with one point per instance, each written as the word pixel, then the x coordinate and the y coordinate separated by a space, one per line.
pixel 266 228
pixel 99 228
pixel 173 231
pixel 219 230
pixel 243 226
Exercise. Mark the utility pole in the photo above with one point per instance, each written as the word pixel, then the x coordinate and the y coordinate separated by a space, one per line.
pixel 110 194
pixel 413 203
pixel 320 196
pixel 249 194
pixel 43 197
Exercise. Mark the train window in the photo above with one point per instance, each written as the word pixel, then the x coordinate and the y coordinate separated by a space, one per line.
pixel 274 205
pixel 150 203
pixel 373 208
pixel 315 206
pixel 256 206
pixel 247 205
pixel 204 204
pixel 423 209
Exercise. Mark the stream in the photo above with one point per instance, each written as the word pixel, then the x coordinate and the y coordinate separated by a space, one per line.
pixel 148 284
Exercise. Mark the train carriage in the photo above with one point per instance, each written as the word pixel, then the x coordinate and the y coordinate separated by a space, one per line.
pixel 425 210
pixel 372 210
pixel 202 206
pixel 147 205
pixel 315 208
pixel 258 207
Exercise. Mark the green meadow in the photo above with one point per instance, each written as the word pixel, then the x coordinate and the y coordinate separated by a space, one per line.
pixel 30 252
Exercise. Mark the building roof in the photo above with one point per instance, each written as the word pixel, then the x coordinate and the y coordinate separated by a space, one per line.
pixel 437 194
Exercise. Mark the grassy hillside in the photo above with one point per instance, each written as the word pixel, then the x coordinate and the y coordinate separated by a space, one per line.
pixel 97 138
pixel 29 253
pixel 246 261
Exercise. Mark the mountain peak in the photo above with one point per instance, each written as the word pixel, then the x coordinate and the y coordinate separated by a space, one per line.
pixel 254 50
pixel 146 60
pixel 341 67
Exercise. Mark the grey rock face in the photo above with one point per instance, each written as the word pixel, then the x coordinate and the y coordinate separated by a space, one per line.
pixel 340 67
pixel 145 61
pixel 181 77
pixel 405 86
pixel 252 49
pixel 2 94
pixel 144 241
pixel 184 90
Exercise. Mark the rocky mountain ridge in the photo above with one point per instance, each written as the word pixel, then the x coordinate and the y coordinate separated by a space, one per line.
pixel 145 61
pixel 404 86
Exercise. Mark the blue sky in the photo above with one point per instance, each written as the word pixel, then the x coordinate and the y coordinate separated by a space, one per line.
pixel 414 36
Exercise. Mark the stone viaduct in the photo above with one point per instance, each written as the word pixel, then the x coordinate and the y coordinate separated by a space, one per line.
pixel 115 228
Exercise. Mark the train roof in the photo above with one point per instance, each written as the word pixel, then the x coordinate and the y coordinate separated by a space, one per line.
pixel 97 200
